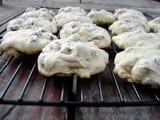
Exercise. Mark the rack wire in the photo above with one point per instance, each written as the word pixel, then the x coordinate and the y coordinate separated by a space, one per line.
pixel 101 90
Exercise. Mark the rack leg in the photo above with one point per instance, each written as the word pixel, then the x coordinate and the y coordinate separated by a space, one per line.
pixel 71 109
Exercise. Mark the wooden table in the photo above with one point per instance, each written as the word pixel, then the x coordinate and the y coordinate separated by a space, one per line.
pixel 20 112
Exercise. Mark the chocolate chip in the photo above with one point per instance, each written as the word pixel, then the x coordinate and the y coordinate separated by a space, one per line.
pixel 51 37
pixel 14 28
pixel 73 26
pixel 37 8
pixel 102 37
pixel 33 39
pixel 43 30
pixel 32 23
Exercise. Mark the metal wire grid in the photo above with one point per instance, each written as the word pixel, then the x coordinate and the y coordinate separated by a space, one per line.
pixel 121 102
pixel 20 100
pixel 79 100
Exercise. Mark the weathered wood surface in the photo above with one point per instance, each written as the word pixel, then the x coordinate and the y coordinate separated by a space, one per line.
pixel 143 5
pixel 18 112
pixel 32 93
pixel 98 1
pixel 118 113
pixel 129 3
pixel 43 1
pixel 110 94
pixel 11 112
pixel 7 11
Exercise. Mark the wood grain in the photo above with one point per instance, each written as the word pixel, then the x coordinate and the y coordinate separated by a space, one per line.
pixel 33 91
pixel 110 94
pixel 98 1
pixel 32 113
pixel 118 113
pixel 54 85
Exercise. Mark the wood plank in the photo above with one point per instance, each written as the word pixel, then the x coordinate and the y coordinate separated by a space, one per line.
pixel 7 11
pixel 5 110
pixel 32 113
pixel 67 1
pixel 98 1
pixel 35 85
pixel 136 3
pixel 33 92
pixel 110 7
pixel 44 1
pixel 110 94
pixel 118 113
pixel 128 3
pixel 52 93
pixel 110 90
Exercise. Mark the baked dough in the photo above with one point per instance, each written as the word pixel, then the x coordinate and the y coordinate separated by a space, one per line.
pixel 139 65
pixel 90 32
pixel 101 17
pixel 139 37
pixel 134 14
pixel 38 12
pixel 26 41
pixel 74 10
pixel 63 18
pixel 120 11
pixel 31 23
pixel 128 25
pixel 154 23
pixel 128 20
pixel 157 30
pixel 69 14
pixel 72 55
